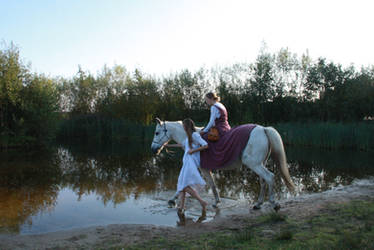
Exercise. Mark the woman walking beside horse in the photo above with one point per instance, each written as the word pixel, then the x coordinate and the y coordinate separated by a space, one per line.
pixel 189 179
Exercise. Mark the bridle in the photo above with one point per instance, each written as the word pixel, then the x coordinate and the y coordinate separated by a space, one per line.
pixel 165 135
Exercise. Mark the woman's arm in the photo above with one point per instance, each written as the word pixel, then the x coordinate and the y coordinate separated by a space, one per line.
pixel 214 114
pixel 197 138
pixel 176 145
pixel 191 151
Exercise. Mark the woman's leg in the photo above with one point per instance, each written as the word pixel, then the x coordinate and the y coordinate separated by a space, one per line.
pixel 182 196
pixel 194 194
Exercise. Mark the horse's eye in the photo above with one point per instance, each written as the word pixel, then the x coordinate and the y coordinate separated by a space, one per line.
pixel 156 133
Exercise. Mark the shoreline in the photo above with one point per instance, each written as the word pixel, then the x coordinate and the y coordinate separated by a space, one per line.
pixel 129 234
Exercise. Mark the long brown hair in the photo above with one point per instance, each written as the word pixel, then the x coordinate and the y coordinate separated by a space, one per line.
pixel 213 96
pixel 189 127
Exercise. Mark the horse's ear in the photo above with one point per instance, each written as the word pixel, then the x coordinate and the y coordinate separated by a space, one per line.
pixel 158 120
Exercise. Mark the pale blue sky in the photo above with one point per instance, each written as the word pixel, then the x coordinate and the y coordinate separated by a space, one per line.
pixel 163 36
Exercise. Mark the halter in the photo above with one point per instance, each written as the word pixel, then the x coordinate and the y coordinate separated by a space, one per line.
pixel 165 134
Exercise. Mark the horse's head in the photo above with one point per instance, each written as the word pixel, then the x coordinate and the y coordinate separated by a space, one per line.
pixel 161 137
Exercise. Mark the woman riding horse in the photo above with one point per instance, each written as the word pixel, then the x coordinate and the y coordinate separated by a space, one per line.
pixel 218 116
pixel 231 142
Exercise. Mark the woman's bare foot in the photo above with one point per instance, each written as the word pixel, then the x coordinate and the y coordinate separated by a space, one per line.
pixel 182 218
pixel 202 217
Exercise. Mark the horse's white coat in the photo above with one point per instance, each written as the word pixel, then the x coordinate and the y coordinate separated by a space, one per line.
pixel 262 142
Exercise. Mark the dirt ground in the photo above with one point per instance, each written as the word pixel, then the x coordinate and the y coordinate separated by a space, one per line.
pixel 125 235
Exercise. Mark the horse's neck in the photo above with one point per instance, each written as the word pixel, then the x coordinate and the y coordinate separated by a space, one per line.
pixel 177 131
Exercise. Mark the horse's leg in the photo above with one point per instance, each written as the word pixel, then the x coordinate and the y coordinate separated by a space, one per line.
pixel 261 197
pixel 267 176
pixel 255 156
pixel 210 179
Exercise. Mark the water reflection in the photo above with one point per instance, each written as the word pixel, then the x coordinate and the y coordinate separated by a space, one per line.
pixel 115 177
pixel 315 170
pixel 312 170
pixel 28 185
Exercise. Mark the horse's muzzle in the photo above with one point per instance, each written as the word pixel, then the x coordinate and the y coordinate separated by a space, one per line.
pixel 155 148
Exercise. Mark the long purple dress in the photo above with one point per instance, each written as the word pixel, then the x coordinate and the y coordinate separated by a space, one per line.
pixel 229 146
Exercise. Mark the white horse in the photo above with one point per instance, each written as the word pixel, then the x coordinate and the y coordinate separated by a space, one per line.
pixel 262 142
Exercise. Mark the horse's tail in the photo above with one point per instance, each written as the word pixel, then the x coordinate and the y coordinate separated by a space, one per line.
pixel 276 145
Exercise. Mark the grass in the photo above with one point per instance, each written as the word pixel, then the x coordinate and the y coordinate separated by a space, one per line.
pixel 343 226
pixel 273 218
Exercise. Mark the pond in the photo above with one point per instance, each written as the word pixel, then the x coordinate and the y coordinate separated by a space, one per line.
pixel 74 186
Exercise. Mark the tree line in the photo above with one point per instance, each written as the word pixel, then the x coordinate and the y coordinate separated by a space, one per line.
pixel 276 87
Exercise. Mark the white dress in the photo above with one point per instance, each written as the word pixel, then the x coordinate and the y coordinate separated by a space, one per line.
pixel 189 174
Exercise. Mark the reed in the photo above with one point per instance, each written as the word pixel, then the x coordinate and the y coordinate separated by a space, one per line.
pixel 101 129
pixel 358 136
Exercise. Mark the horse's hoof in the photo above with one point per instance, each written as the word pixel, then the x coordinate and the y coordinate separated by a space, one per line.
pixel 216 205
pixel 171 203
pixel 256 207
pixel 277 207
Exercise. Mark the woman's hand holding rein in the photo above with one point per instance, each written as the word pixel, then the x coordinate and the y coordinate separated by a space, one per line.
pixel 177 145
pixel 191 151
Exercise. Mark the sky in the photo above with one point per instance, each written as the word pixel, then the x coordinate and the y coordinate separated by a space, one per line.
pixel 165 36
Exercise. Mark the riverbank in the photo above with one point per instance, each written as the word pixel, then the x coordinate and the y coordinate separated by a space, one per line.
pixel 341 217
pixel 93 129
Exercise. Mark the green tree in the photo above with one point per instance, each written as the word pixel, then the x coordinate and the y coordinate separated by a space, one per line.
pixel 13 73
pixel 111 85
pixel 40 109
pixel 262 83
pixel 141 98
pixel 28 103
pixel 83 93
